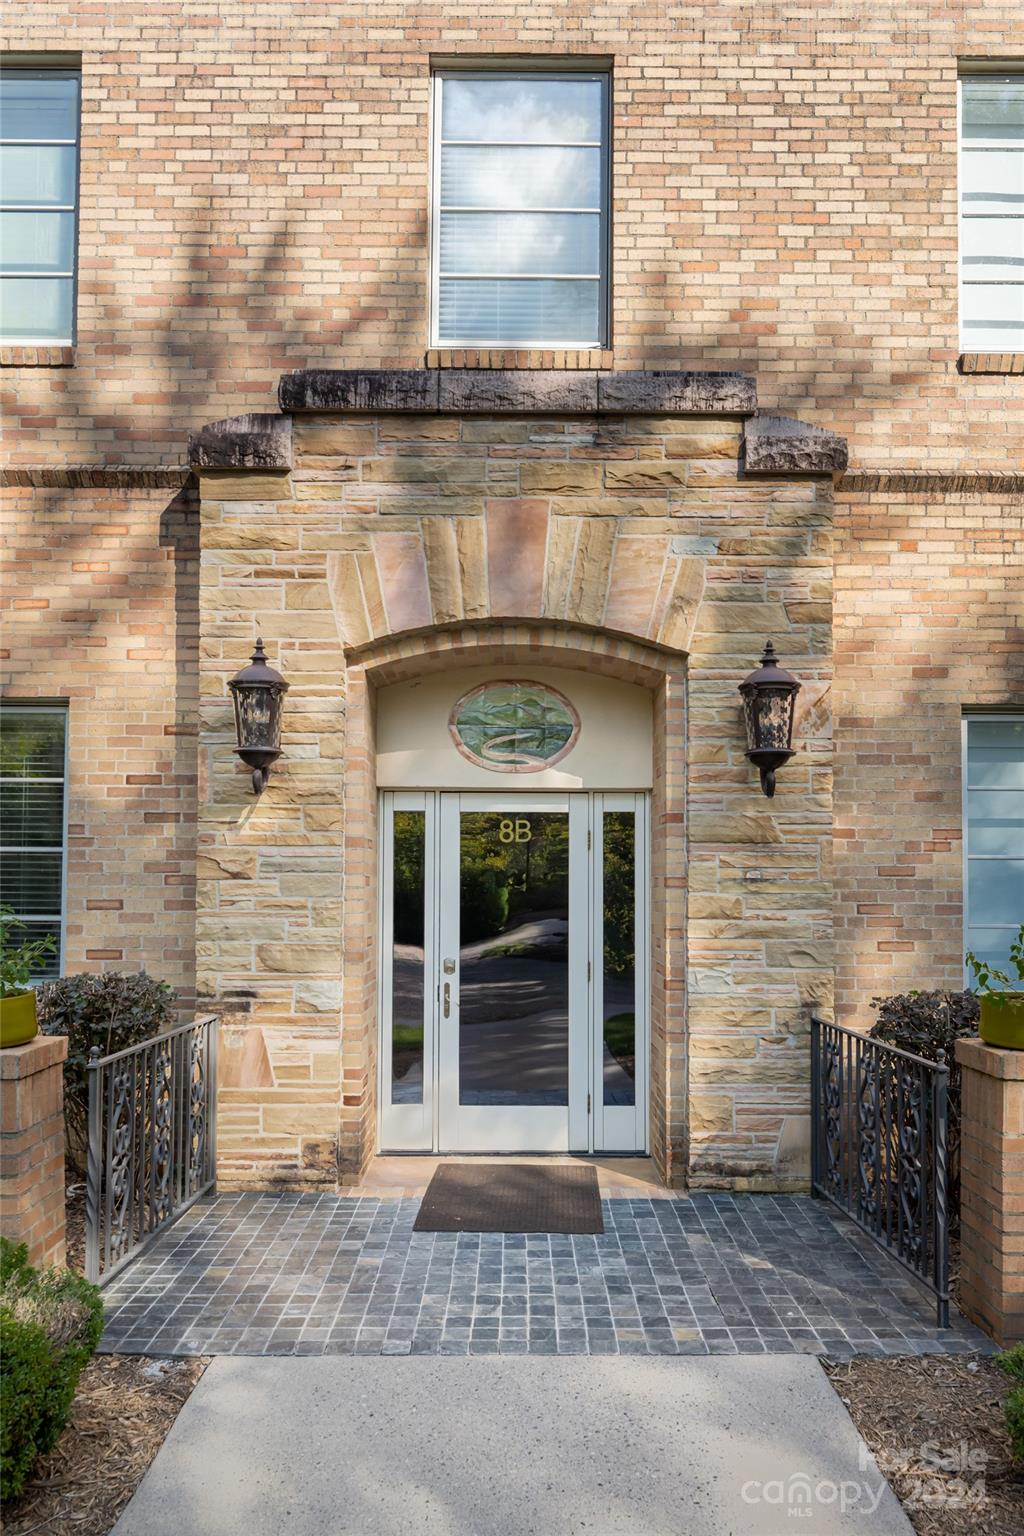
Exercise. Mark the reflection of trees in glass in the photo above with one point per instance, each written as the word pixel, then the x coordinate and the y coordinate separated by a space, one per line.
pixel 620 944
pixel 500 881
pixel 408 877
pixel 407 970
pixel 514 725
pixel 619 893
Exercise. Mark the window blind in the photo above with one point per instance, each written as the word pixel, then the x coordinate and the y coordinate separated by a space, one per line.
pixel 39 121
pixel 32 782
pixel 520 212
pixel 992 214
pixel 994 835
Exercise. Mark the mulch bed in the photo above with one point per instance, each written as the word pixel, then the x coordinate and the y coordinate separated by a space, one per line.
pixel 122 1412
pixel 914 1413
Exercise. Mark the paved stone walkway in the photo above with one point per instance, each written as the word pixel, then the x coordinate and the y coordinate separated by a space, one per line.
pixel 257 1274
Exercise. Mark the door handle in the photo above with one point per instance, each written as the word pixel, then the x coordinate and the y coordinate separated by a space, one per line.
pixel 447 999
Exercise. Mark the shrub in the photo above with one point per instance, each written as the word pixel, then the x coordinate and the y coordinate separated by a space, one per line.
pixel 112 1010
pixel 1012 1362
pixel 927 1023
pixel 50 1324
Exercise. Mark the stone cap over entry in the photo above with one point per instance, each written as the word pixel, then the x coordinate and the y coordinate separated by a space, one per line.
pixel 462 391
pixel 772 445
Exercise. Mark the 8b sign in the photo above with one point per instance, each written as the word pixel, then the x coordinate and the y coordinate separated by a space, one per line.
pixel 514 830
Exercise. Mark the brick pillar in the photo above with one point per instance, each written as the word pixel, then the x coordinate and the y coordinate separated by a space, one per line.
pixel 32 1147
pixel 992 1189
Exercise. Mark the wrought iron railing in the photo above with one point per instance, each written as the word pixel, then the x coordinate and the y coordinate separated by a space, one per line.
pixel 152 1141
pixel 878 1147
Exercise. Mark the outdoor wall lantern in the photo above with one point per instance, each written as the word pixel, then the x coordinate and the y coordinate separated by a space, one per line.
pixel 258 692
pixel 769 701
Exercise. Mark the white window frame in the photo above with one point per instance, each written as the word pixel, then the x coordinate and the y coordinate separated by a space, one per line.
pixel 32 73
pixel 25 707
pixel 968 718
pixel 603 276
pixel 1003 74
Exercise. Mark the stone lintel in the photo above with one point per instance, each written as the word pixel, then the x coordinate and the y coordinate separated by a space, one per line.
pixel 781 445
pixel 258 440
pixel 528 391
pixel 359 389
pixel 475 391
pixel 660 392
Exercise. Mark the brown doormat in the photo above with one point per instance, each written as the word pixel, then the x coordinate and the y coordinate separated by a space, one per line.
pixel 511 1197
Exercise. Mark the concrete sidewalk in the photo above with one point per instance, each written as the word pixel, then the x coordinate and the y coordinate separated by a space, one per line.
pixel 523 1446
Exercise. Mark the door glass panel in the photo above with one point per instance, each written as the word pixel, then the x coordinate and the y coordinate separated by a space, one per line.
pixel 619 916
pixel 514 958
pixel 407 959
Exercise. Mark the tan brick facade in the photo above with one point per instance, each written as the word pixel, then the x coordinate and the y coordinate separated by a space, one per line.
pixel 253 200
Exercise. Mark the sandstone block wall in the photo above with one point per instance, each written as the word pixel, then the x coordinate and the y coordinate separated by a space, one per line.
pixel 595 535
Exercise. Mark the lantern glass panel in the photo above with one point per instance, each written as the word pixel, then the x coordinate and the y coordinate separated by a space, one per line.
pixel 258 716
pixel 774 719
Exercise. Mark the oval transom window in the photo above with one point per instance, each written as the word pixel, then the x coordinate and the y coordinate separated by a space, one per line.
pixel 514 727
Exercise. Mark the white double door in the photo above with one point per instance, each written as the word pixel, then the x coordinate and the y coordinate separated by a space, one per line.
pixel 513 972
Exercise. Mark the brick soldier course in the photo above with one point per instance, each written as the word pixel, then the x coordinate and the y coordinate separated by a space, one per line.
pixel 254 198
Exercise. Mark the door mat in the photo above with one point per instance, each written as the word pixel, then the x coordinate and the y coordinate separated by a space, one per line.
pixel 511 1197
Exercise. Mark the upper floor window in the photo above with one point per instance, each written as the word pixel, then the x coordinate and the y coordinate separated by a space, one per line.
pixel 993 834
pixel 39 117
pixel 32 833
pixel 992 213
pixel 520 210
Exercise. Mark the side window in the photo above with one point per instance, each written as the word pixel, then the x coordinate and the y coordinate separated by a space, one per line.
pixel 32 835
pixel 993 834
pixel 992 213
pixel 520 210
pixel 39 131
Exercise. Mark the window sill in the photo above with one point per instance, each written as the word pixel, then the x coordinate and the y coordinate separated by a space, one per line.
pixel 41 356
pixel 499 357
pixel 990 362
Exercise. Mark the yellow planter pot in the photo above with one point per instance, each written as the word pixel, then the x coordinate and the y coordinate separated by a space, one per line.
pixel 18 1019
pixel 1003 1023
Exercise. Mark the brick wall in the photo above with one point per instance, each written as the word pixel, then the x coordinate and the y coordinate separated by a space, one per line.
pixel 254 185
pixel 254 198
pixel 32 1147
pixel 101 610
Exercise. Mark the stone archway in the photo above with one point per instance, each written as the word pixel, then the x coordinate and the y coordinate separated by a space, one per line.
pixel 503 644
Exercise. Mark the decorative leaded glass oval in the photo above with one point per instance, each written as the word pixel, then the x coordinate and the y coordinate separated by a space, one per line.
pixel 514 727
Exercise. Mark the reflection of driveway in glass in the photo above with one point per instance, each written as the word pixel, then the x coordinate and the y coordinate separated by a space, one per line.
pixel 514 1015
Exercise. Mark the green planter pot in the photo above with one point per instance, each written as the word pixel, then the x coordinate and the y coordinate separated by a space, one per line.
pixel 18 1019
pixel 1003 1023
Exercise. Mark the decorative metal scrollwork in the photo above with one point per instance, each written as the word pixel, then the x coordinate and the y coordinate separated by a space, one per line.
pixel 162 1101
pixel 833 1075
pixel 120 1143
pixel 911 1182
pixel 196 1113
pixel 867 1138
pixel 879 1146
